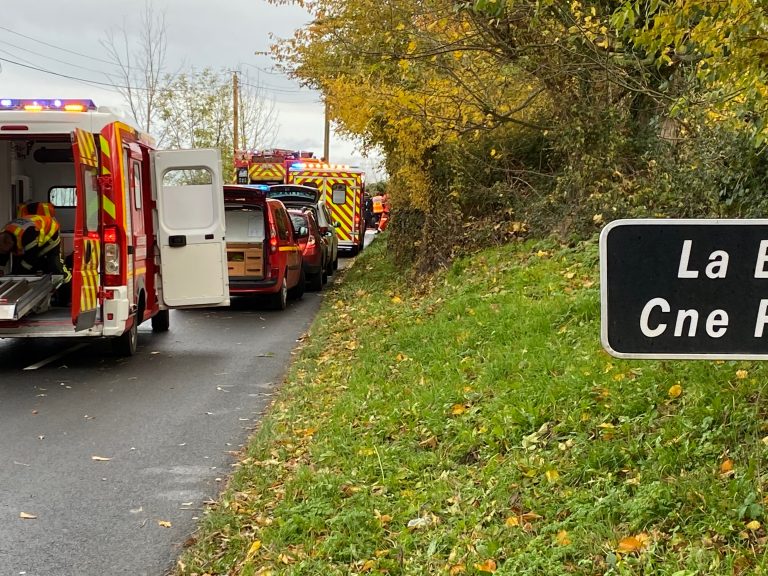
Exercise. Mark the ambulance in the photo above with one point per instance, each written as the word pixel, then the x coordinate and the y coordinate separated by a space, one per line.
pixel 142 230
pixel 343 189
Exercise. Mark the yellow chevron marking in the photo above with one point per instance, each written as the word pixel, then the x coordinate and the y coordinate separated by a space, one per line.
pixel 109 206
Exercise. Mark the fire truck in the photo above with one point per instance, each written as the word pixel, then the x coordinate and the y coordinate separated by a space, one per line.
pixel 344 191
pixel 141 229
pixel 268 166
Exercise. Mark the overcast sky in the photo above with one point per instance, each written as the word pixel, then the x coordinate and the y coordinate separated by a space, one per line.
pixel 63 37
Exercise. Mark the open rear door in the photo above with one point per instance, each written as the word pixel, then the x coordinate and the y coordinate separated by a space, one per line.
pixel 85 265
pixel 190 216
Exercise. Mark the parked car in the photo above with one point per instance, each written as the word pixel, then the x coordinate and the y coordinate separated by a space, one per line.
pixel 314 248
pixel 263 252
pixel 298 196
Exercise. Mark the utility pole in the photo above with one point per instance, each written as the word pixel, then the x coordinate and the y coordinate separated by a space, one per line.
pixel 327 135
pixel 235 113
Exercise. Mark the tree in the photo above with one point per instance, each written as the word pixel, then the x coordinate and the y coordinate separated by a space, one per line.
pixel 196 109
pixel 141 64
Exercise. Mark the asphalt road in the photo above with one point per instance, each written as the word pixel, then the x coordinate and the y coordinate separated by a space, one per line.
pixel 115 458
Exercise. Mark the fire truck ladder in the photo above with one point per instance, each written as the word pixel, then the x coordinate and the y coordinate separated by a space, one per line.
pixel 20 295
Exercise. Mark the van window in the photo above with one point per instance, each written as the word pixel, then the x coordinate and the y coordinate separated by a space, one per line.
pixel 339 193
pixel 244 224
pixel 91 200
pixel 63 196
pixel 281 219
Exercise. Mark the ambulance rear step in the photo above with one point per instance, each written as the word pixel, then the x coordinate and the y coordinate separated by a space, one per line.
pixel 20 295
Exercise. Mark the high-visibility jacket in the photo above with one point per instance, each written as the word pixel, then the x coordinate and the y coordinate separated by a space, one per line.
pixel 35 237
pixel 36 208
pixel 378 204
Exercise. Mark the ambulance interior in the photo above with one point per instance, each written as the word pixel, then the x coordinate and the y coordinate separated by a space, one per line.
pixel 38 169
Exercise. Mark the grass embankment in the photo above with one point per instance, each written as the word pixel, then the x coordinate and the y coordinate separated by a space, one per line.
pixel 477 426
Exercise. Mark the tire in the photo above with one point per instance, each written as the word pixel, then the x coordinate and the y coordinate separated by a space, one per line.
pixel 316 281
pixel 280 300
pixel 336 262
pixel 161 321
pixel 354 250
pixel 127 343
pixel 324 276
pixel 297 292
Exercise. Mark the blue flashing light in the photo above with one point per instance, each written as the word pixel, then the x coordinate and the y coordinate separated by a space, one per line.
pixel 71 104
pixel 261 187
pixel 299 165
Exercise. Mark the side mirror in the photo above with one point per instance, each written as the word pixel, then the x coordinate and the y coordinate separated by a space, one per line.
pixel 303 232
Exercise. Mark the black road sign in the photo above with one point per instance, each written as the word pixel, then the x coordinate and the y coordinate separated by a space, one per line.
pixel 685 289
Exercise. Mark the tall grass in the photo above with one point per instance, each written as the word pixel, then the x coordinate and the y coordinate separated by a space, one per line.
pixel 472 424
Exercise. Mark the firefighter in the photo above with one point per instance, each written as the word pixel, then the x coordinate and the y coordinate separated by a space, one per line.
pixel 35 245
pixel 384 214
pixel 378 208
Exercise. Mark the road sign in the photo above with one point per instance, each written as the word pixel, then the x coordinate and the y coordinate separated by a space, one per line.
pixel 685 289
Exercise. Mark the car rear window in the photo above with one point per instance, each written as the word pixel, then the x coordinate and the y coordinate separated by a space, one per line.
pixel 298 221
pixel 245 224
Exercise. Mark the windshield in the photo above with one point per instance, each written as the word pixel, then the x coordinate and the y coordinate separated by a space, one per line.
pixel 245 225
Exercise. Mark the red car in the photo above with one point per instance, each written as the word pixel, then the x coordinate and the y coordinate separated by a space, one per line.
pixel 313 246
pixel 263 252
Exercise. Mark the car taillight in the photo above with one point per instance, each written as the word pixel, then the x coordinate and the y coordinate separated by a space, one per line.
pixel 272 233
pixel 111 257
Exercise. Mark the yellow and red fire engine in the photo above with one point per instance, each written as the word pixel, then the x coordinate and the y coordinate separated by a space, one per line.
pixel 141 229
pixel 343 189
pixel 268 166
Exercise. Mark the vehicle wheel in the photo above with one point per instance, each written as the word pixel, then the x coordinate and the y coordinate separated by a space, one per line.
pixel 354 250
pixel 336 263
pixel 280 300
pixel 297 291
pixel 316 281
pixel 161 321
pixel 324 276
pixel 126 343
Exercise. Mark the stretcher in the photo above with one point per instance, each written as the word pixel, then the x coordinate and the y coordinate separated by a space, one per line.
pixel 21 295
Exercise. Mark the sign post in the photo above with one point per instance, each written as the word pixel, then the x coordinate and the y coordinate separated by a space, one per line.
pixel 685 289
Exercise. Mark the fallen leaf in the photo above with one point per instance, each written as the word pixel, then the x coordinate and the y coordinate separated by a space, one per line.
pixel 27 516
pixel 726 466
pixel 530 516
pixel 741 374
pixel 629 545
pixel 753 525
pixel 396 300
pixel 512 521
pixel 562 538
pixel 552 475
pixel 487 566
pixel 164 523
pixel 100 458
pixel 368 566
pixel 675 391
pixel 457 409
pixel 457 569
pixel 253 549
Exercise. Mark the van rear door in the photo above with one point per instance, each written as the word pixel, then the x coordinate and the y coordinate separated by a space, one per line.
pixel 190 234
pixel 86 244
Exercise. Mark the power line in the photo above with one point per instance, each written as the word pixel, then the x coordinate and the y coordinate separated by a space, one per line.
pixel 68 76
pixel 46 56
pixel 57 47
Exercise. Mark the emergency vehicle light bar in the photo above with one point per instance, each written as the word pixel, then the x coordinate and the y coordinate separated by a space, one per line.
pixel 319 165
pixel 56 104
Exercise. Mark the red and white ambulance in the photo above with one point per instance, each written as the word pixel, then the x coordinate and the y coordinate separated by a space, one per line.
pixel 142 230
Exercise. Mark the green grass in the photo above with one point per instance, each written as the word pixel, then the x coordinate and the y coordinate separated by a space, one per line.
pixel 473 423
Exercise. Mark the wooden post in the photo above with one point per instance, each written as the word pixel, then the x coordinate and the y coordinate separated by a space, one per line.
pixel 235 114
pixel 327 134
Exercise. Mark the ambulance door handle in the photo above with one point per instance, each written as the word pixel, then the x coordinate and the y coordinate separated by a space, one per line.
pixel 177 241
